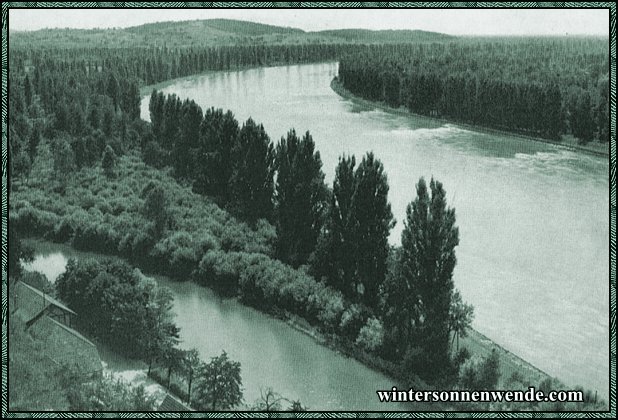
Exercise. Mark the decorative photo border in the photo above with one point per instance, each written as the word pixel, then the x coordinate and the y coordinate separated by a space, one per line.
pixel 612 211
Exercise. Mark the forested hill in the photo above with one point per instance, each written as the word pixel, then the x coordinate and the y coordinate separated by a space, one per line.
pixel 211 32
pixel 385 36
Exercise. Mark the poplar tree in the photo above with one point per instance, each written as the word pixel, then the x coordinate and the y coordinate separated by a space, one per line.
pixel 251 181
pixel 373 220
pixel 353 248
pixel 185 145
pixel 214 166
pixel 427 263
pixel 300 197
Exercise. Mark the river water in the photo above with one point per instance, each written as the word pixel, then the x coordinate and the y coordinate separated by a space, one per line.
pixel 533 219
pixel 534 232
pixel 271 353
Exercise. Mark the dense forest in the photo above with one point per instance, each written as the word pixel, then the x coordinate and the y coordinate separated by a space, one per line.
pixel 544 87
pixel 198 195
pixel 210 33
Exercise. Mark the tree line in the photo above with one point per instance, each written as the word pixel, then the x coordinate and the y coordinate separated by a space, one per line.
pixel 543 87
pixel 340 234
pixel 89 97
pixel 333 263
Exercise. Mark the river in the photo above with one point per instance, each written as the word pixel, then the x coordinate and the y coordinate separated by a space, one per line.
pixel 533 218
pixel 534 231
pixel 271 353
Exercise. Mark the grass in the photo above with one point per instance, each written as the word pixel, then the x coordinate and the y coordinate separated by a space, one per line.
pixel 478 344
pixel 33 378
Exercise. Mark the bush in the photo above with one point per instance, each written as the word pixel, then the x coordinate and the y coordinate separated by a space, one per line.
pixel 176 255
pixel 221 270
pixel 352 321
pixel 32 221
pixel 327 305
pixel 371 336
pixel 478 373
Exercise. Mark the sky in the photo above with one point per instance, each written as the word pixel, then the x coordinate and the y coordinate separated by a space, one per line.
pixel 449 21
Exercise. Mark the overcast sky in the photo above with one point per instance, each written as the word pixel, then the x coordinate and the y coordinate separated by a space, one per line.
pixel 449 21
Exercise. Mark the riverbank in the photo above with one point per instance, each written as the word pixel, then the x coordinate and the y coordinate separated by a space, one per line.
pixel 147 90
pixel 567 142
pixel 475 342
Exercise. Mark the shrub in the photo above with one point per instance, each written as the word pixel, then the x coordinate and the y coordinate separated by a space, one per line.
pixel 327 305
pixel 371 336
pixel 478 373
pixel 176 255
pixel 352 320
pixel 32 221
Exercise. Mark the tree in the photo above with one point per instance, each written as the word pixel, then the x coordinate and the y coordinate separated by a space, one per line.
pixel 582 122
pixel 300 199
pixel 159 335
pixel 157 101
pixel 219 386
pixel 172 360
pixel 131 100
pixel 461 315
pixel 373 220
pixel 120 306
pixel 269 401
pixel 214 165
pixel 428 258
pixel 336 248
pixel 105 393
pixel 297 407
pixel 252 177
pixel 17 252
pixel 155 206
pixel 64 159
pixel 190 367
pixel 353 248
pixel 186 144
pixel 108 162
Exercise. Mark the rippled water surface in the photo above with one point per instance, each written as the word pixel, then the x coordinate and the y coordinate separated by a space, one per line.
pixel 533 254
pixel 534 230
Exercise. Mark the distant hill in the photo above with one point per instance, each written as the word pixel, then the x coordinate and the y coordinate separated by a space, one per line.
pixel 385 36
pixel 211 32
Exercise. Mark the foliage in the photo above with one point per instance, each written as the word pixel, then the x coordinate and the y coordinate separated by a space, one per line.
pixel 64 159
pixel 371 335
pixel 119 305
pixel 189 367
pixel 155 206
pixel 269 401
pixel 213 168
pixel 526 85
pixel 461 315
pixel 300 199
pixel 351 254
pixel 478 373
pixel 16 251
pixel 418 292
pixel 251 181
pixel 106 393
pixel 219 386
pixel 108 161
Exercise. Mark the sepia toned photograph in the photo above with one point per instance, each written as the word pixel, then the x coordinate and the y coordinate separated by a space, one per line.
pixel 297 210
